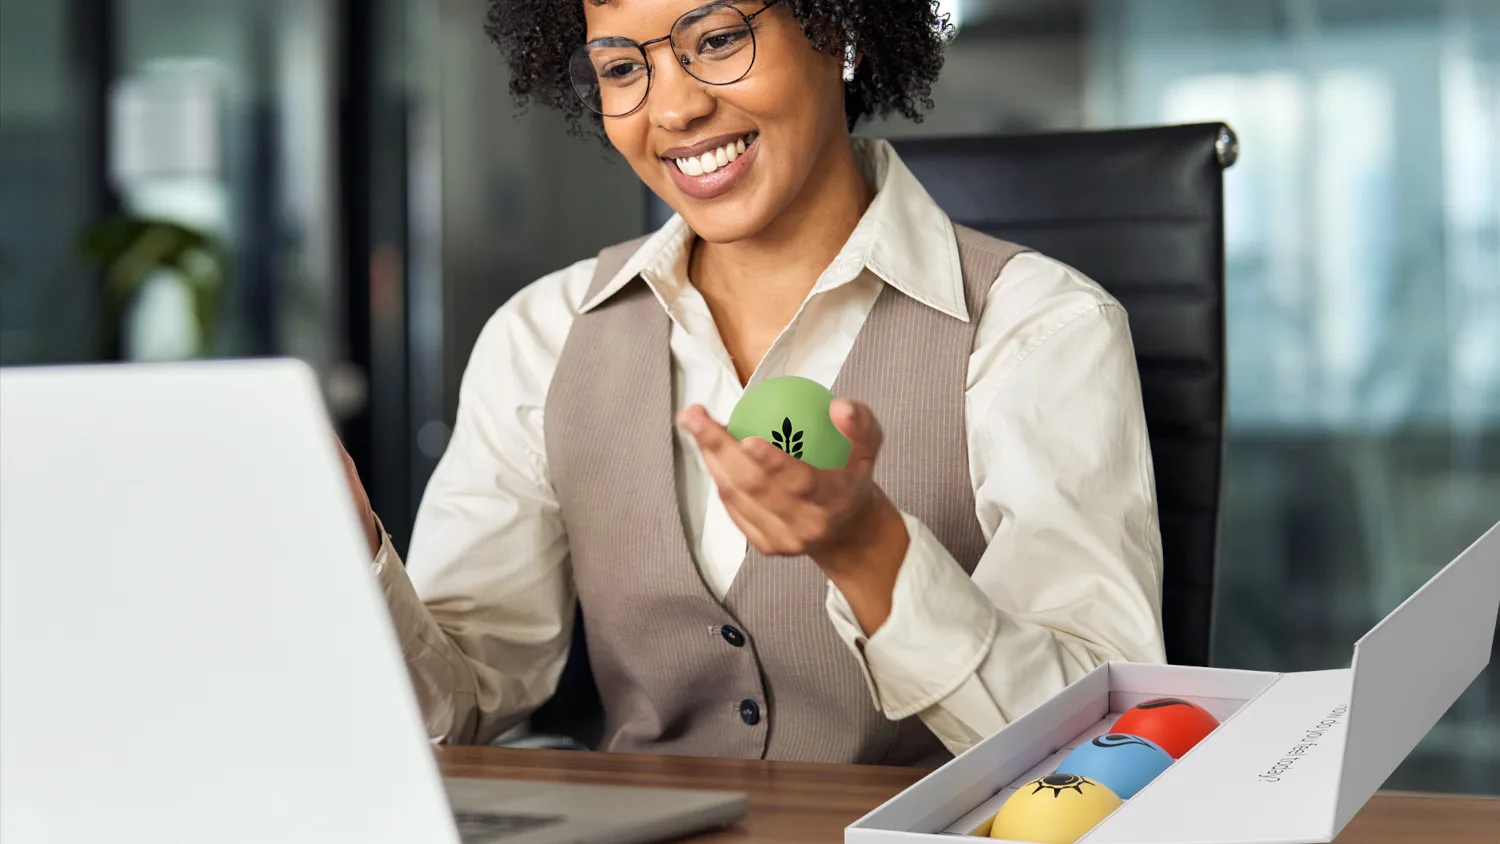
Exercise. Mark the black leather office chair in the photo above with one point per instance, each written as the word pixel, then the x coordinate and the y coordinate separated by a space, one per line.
pixel 1141 212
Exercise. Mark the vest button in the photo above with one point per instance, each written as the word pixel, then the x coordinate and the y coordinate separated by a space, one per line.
pixel 750 712
pixel 732 636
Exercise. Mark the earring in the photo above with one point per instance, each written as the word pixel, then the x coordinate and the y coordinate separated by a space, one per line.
pixel 849 56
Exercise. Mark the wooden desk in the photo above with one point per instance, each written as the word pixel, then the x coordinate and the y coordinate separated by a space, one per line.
pixel 792 803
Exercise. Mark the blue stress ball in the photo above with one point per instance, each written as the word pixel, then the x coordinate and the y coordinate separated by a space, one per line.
pixel 1124 764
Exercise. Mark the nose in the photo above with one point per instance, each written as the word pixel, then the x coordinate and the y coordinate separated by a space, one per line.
pixel 677 100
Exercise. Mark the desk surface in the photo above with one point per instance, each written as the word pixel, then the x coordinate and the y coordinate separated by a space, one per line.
pixel 792 803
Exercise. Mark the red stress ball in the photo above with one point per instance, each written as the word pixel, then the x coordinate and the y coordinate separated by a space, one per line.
pixel 1174 724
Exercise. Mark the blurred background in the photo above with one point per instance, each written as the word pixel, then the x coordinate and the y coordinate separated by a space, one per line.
pixel 347 182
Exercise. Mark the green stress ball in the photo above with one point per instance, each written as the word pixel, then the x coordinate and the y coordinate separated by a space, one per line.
pixel 792 414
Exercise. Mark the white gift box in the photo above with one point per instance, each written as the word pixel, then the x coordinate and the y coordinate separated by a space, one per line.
pixel 1295 757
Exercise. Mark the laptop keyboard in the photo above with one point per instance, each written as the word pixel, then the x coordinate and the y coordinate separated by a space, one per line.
pixel 485 827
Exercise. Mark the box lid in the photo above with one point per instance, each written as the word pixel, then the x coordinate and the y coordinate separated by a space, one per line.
pixel 1414 664
pixel 1268 774
pixel 1302 758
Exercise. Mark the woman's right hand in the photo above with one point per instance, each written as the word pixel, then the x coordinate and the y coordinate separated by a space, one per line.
pixel 361 501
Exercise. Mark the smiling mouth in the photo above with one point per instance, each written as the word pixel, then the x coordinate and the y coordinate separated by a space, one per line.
pixel 708 162
pixel 715 172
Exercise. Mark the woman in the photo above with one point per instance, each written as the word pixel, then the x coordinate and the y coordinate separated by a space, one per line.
pixel 994 534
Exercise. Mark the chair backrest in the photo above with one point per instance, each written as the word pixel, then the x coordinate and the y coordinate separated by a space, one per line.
pixel 1140 211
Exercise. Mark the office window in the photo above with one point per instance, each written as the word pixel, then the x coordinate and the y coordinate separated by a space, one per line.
pixel 223 117
pixel 1363 261
pixel 218 117
pixel 47 187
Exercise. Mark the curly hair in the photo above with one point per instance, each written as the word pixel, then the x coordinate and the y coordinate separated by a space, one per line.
pixel 901 44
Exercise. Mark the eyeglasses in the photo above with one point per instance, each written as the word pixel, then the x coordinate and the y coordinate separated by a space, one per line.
pixel 715 44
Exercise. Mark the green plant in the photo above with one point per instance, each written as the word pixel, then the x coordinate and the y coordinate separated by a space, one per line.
pixel 787 440
pixel 131 249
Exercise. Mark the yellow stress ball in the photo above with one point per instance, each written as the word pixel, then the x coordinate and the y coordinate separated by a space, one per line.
pixel 1056 809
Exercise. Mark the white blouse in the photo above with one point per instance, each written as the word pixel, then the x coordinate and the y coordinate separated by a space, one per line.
pixel 1058 456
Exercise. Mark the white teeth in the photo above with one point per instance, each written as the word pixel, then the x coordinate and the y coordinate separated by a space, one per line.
pixel 708 162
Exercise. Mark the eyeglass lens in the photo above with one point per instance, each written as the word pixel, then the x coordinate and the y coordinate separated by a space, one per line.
pixel 715 44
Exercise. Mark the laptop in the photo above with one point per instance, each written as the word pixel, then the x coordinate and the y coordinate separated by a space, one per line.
pixel 193 647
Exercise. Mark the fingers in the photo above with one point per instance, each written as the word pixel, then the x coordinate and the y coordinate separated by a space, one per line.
pixel 754 533
pixel 856 422
pixel 744 483
pixel 360 497
pixel 757 510
pixel 784 506
pixel 783 472
pixel 766 492
pixel 718 444
pixel 786 530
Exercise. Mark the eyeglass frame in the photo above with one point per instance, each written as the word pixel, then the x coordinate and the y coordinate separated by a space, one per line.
pixel 643 47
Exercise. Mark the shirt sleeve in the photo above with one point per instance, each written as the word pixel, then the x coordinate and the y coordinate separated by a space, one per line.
pixel 1071 574
pixel 484 610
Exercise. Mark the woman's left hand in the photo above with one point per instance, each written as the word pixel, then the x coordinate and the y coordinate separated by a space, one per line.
pixel 785 507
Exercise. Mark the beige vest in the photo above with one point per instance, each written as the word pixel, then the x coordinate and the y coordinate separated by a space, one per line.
pixel 762 674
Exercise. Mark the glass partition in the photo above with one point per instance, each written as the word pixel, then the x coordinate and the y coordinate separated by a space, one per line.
pixel 1363 275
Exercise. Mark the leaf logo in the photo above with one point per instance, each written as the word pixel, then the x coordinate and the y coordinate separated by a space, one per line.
pixel 788 440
